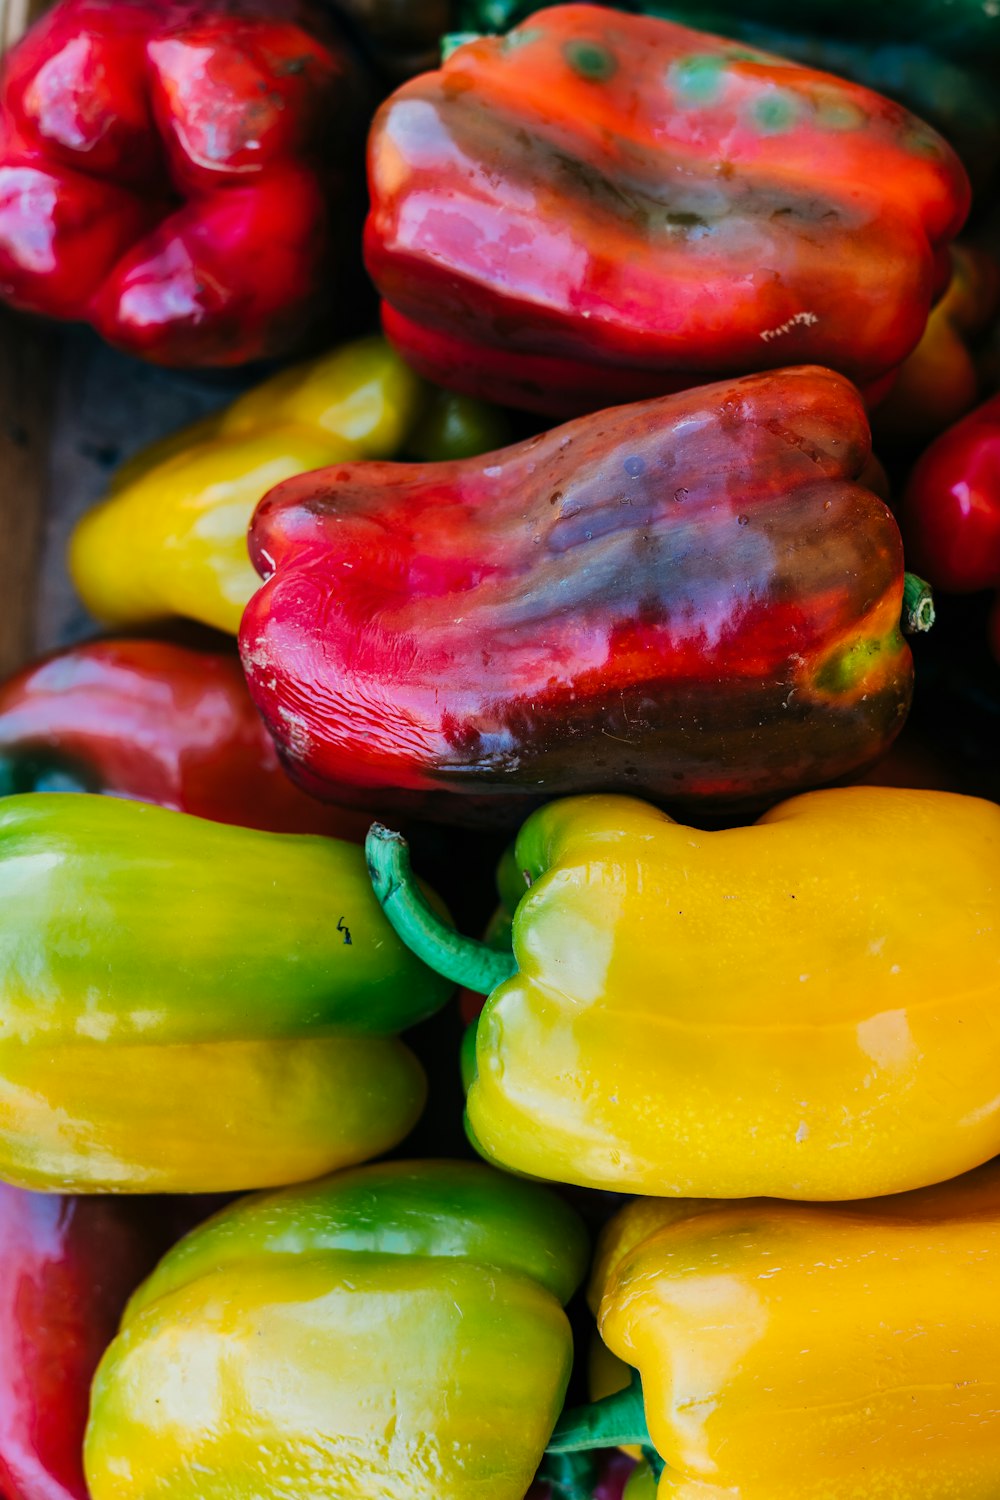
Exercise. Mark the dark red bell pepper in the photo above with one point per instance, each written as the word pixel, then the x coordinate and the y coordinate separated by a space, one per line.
pixel 950 513
pixel 695 599
pixel 599 207
pixel 176 173
pixel 153 722
pixel 67 1267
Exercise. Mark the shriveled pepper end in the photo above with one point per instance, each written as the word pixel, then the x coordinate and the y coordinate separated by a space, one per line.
pixel 460 959
pixel 918 605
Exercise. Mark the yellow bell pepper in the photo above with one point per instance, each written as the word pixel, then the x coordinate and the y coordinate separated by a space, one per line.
pixel 807 1352
pixel 170 536
pixel 804 1008
pixel 940 381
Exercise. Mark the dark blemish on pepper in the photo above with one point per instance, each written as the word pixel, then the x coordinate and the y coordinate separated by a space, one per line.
pixel 343 927
pixel 591 60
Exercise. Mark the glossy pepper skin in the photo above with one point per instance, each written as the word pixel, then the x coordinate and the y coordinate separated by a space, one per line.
pixel 603 207
pixel 194 1007
pixel 695 597
pixel 950 512
pixel 153 722
pixel 395 1332
pixel 170 537
pixel 826 1353
pixel 802 1008
pixel 175 173
pixel 67 1267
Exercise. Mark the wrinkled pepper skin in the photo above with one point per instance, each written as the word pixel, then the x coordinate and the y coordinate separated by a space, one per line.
pixel 395 1333
pixel 153 722
pixel 802 1008
pixel 822 1353
pixel 602 207
pixel 950 513
pixel 194 1007
pixel 67 1267
pixel 696 598
pixel 174 172
pixel 170 537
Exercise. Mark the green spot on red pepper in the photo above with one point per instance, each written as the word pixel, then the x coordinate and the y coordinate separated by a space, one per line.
pixel 697 79
pixel 591 60
pixel 776 112
pixel 847 669
pixel 922 140
pixel 839 114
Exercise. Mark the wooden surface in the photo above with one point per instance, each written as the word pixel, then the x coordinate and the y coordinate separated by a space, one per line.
pixel 27 365
pixel 103 407
pixel 15 16
pixel 71 409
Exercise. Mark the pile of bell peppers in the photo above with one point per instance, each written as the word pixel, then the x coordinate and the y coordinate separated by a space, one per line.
pixel 594 583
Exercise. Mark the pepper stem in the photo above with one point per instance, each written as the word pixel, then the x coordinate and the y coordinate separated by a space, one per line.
pixel 569 1476
pixel 460 959
pixel 918 605
pixel 617 1421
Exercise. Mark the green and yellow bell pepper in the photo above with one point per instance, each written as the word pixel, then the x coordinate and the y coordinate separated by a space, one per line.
pixel 393 1333
pixel 192 1006
pixel 170 536
pixel 804 1008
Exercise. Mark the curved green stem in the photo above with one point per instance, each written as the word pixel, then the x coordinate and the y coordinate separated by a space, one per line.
pixel 460 959
pixel 918 605
pixel 615 1422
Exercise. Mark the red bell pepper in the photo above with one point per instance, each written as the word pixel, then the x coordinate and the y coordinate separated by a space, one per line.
pixel 173 171
pixel 67 1267
pixel 695 599
pixel 599 207
pixel 158 723
pixel 950 513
